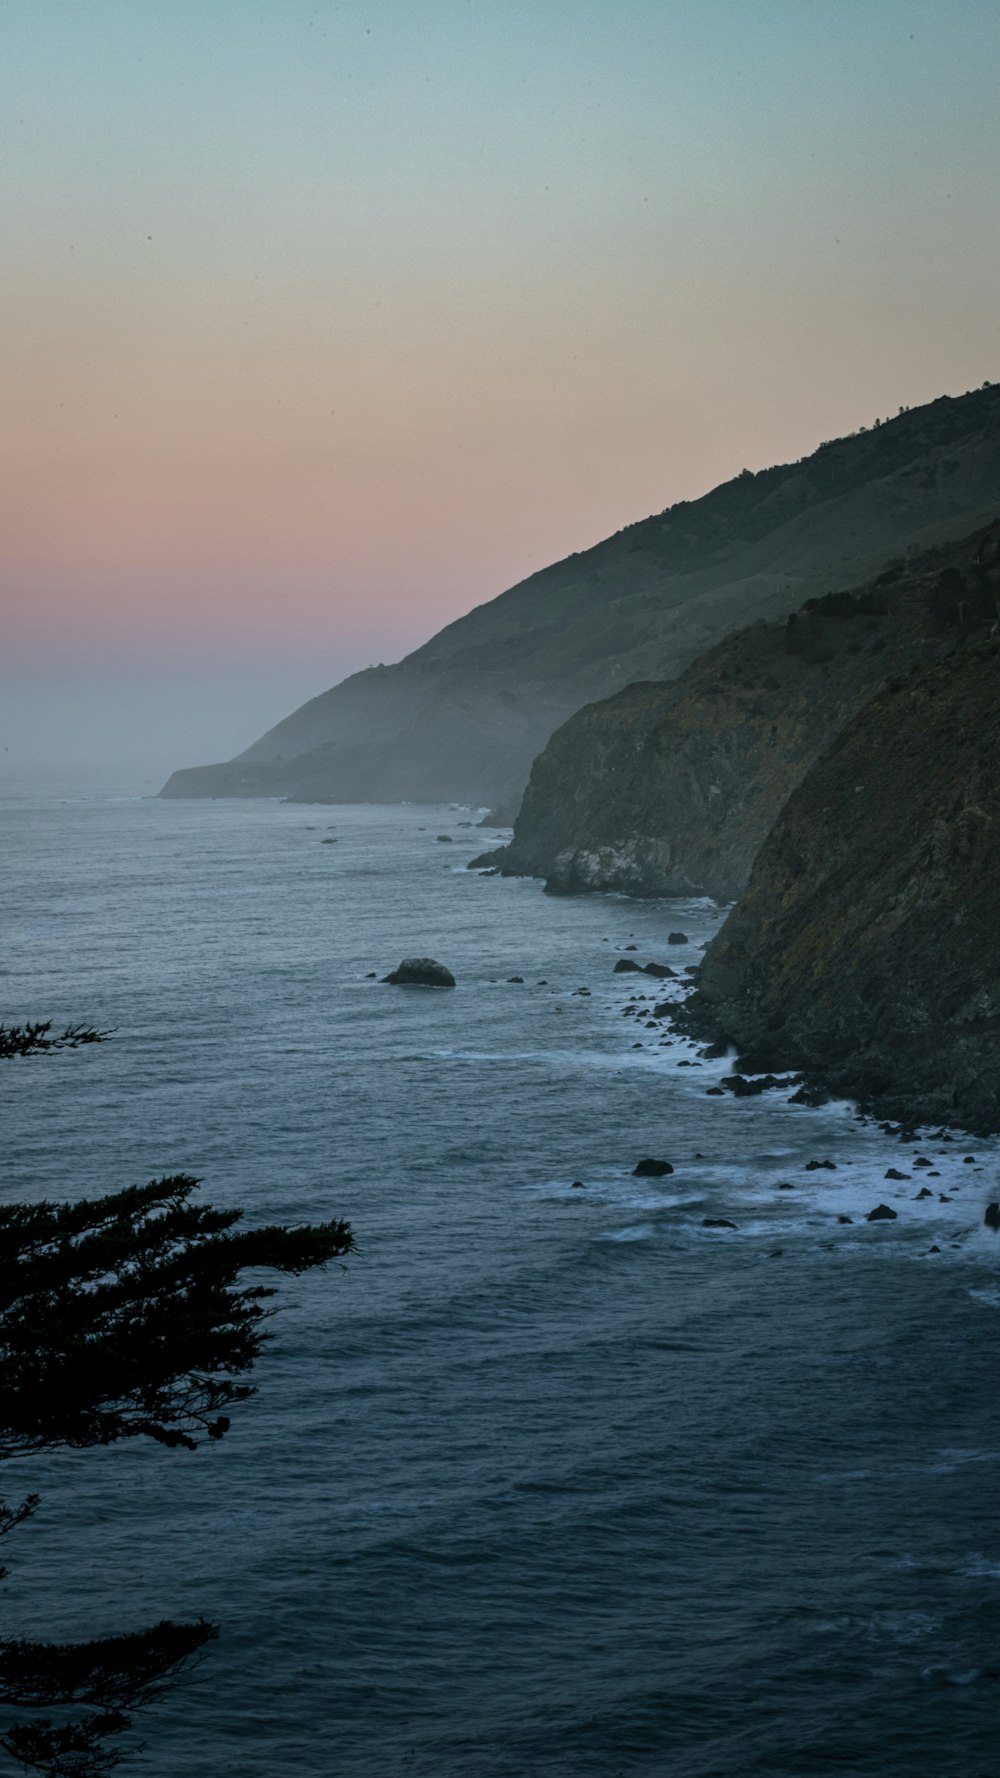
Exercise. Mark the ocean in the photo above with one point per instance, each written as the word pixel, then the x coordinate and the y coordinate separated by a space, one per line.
pixel 547 1482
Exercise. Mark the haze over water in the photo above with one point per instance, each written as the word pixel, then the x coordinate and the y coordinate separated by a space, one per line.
pixel 325 322
pixel 549 1481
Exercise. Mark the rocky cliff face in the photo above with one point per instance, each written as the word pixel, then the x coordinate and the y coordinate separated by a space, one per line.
pixel 462 718
pixel 865 949
pixel 671 789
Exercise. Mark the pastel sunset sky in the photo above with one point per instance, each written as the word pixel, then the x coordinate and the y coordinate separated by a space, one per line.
pixel 322 323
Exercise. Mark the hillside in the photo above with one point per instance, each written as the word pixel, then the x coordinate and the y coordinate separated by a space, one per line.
pixel 670 789
pixel 864 951
pixel 462 717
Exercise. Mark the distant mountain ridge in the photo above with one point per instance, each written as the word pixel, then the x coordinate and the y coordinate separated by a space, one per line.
pixel 462 718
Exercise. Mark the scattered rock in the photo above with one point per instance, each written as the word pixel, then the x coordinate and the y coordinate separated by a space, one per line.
pixel 992 1217
pixel 660 970
pixel 933 1249
pixel 624 965
pixel 678 938
pixel 921 1160
pixel 812 1096
pixel 881 1213
pixel 785 1185
pixel 894 1173
pixel 816 1166
pixel 421 972
pixel 444 839
pixel 924 1192
pixel 943 1198
pixel 631 947
pixel 328 842
pixel 515 978
pixel 650 1169
pixel 371 976
pixel 969 1160
pixel 577 1186
pixel 714 1093
pixel 845 1219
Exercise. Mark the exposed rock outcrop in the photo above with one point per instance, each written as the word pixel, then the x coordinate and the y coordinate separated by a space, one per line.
pixel 462 718
pixel 671 789
pixel 421 972
pixel 865 951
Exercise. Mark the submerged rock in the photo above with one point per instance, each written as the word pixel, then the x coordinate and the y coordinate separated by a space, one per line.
pixel 420 972
pixel 717 1222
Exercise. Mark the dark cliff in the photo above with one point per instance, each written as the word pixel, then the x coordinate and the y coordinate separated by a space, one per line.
pixel 866 949
pixel 463 717
pixel 670 789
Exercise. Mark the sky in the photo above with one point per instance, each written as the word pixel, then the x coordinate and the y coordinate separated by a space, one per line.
pixel 323 323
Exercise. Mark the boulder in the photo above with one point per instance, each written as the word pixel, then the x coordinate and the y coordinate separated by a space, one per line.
pixel 881 1213
pixel 661 970
pixel 924 1192
pixel 992 1217
pixel 624 966
pixel 894 1173
pixel 444 839
pixel 678 938
pixel 420 972
pixel 650 1169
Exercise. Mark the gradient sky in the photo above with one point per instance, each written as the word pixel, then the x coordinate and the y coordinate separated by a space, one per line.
pixel 322 323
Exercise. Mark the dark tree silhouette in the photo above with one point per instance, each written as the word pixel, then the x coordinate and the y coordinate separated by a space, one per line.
pixel 122 1316
pixel 34 1039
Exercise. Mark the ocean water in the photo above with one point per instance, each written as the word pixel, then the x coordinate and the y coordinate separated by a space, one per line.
pixel 548 1482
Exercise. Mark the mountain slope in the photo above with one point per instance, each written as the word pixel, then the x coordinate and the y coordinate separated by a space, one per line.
pixel 865 951
pixel 670 789
pixel 462 717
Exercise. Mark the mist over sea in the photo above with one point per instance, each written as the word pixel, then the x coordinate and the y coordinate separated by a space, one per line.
pixel 548 1483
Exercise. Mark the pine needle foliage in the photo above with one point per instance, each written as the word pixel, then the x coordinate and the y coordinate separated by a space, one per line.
pixel 126 1315
pixel 121 1316
pixel 33 1039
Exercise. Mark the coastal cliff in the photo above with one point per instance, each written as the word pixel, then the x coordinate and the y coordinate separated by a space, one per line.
pixel 462 717
pixel 670 789
pixel 864 951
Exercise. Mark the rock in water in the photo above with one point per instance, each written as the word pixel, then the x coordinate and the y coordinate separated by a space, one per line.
pixel 678 938
pixel 625 966
pixel 660 970
pixel 881 1213
pixel 421 972
pixel 992 1217
pixel 650 1169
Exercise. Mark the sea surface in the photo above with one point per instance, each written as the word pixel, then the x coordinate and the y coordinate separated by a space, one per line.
pixel 549 1482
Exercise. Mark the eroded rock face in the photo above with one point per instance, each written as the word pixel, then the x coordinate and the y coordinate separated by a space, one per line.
pixel 421 972
pixel 671 789
pixel 866 949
